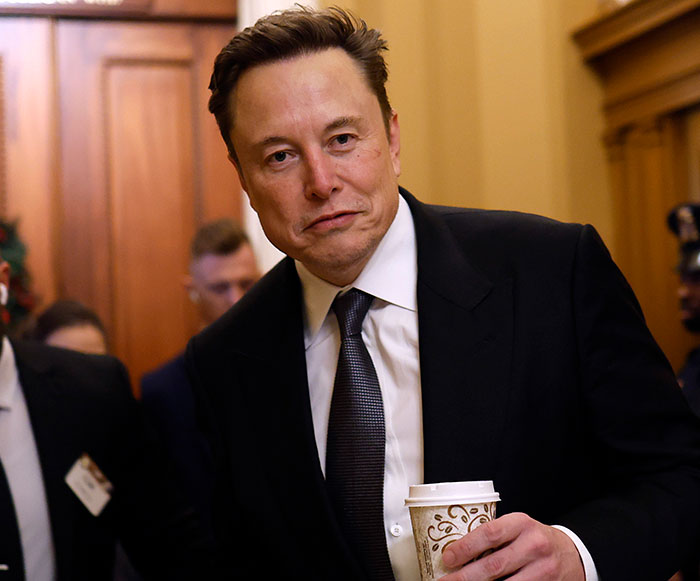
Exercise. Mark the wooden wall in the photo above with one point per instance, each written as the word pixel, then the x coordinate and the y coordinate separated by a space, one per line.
pixel 647 55
pixel 111 160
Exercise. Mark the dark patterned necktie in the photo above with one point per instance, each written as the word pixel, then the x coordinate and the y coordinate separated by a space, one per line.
pixel 11 562
pixel 356 442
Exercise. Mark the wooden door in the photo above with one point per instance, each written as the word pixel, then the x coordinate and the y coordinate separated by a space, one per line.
pixel 141 166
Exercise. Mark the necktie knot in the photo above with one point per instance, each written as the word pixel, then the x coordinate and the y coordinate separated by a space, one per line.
pixel 350 309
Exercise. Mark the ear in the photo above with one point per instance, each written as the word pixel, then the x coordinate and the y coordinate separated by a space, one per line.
pixel 239 171
pixel 395 142
pixel 188 283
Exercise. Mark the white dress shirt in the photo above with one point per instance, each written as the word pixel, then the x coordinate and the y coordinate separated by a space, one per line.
pixel 390 332
pixel 20 460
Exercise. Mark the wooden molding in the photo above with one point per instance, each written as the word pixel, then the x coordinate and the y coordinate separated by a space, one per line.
pixel 124 9
pixel 673 94
pixel 627 22
pixel 98 8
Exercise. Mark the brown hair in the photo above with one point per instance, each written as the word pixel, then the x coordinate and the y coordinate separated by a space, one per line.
pixel 219 237
pixel 290 33
pixel 61 314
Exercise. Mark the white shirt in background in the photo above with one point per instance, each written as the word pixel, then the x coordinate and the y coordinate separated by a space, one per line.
pixel 20 460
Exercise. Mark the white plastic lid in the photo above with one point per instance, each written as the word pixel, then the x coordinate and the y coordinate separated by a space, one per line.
pixel 452 493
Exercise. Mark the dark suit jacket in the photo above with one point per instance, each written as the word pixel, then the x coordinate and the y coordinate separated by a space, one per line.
pixel 82 403
pixel 537 372
pixel 689 378
pixel 167 399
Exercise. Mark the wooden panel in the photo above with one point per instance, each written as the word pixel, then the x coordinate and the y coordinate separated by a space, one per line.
pixel 647 181
pixel 693 161
pixel 149 152
pixel 220 193
pixel 27 134
pixel 140 172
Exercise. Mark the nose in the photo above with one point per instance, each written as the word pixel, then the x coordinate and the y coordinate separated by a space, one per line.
pixel 683 290
pixel 234 294
pixel 321 176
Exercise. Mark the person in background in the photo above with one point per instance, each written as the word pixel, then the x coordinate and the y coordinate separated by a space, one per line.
pixel 71 325
pixel 80 470
pixel 683 221
pixel 222 269
pixel 402 343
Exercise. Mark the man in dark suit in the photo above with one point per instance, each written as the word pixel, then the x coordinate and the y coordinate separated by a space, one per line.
pixel 222 270
pixel 505 347
pixel 78 471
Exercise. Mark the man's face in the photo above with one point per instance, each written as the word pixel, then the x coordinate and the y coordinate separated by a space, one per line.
pixel 689 295
pixel 85 338
pixel 316 161
pixel 218 281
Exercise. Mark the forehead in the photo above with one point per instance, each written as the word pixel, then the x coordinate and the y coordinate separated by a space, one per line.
pixel 292 90
pixel 239 263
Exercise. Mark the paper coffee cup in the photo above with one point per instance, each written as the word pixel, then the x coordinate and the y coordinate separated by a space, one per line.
pixel 442 514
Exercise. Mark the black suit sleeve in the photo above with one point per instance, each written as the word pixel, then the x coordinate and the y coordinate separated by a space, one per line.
pixel 159 531
pixel 646 438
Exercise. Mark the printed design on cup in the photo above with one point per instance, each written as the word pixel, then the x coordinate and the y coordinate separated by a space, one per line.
pixel 460 520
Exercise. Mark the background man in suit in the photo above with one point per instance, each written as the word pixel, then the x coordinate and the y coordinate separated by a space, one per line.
pixel 222 270
pixel 56 407
pixel 683 221
pixel 505 347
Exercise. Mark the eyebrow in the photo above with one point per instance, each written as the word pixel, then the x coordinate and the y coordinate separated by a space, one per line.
pixel 342 122
pixel 338 123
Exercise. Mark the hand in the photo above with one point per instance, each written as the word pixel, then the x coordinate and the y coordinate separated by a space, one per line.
pixel 523 550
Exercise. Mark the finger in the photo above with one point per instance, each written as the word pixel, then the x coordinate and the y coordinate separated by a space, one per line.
pixel 490 535
pixel 503 562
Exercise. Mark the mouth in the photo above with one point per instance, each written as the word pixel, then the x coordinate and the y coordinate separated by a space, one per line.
pixel 331 221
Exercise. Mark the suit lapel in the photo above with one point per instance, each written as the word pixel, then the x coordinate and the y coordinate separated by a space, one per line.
pixel 465 341
pixel 277 382
pixel 50 418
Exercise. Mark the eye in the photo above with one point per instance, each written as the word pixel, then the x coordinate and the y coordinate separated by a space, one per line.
pixel 278 159
pixel 343 139
pixel 218 288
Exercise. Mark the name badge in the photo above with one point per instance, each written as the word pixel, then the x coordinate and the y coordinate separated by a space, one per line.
pixel 89 484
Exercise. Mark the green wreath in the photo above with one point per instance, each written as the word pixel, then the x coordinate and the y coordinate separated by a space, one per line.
pixel 22 300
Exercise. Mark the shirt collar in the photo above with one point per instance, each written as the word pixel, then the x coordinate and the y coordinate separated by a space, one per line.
pixel 8 375
pixel 390 274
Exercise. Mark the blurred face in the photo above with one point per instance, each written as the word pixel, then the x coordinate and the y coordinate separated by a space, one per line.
pixel 85 338
pixel 218 281
pixel 689 295
pixel 316 161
